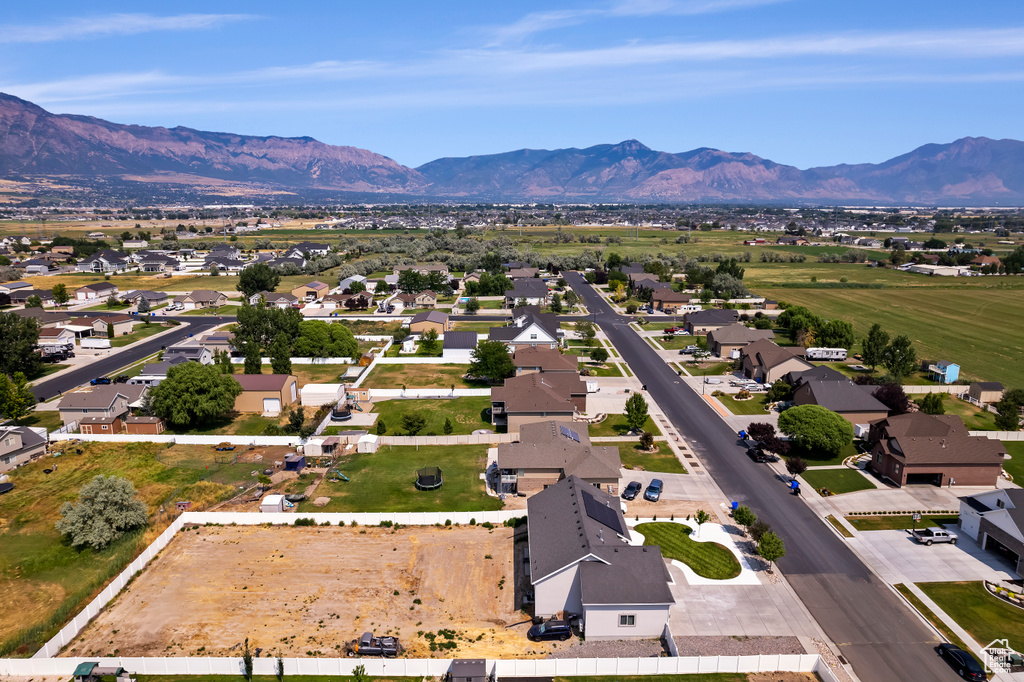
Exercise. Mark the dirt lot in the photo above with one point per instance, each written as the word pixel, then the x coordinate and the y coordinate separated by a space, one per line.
pixel 306 591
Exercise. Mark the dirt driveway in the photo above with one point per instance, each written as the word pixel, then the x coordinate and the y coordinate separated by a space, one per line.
pixel 306 591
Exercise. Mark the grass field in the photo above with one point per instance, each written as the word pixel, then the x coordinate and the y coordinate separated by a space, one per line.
pixel 976 328
pixel 817 459
pixel 899 522
pixel 930 615
pixel 1015 465
pixel 754 406
pixel 707 559
pixel 839 481
pixel 663 461
pixel 420 376
pixel 44 580
pixel 467 414
pixel 233 423
pixel 384 480
pixel 975 418
pixel 609 370
pixel 615 425
pixel 983 616
pixel 141 331
pixel 47 419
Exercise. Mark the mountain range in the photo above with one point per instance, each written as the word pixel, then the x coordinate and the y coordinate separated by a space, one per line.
pixel 98 155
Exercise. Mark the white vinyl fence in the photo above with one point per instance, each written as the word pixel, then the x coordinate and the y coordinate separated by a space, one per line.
pixel 466 439
pixel 240 359
pixel 416 360
pixel 383 393
pixel 953 389
pixel 170 438
pixel 999 435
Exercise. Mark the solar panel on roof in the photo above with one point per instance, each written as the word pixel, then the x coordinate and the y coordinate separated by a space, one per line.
pixel 569 433
pixel 601 513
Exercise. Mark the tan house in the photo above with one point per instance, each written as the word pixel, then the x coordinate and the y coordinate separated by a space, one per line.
pixel 266 393
pixel 313 291
pixel 704 321
pixel 149 426
pixel 918 448
pixel 424 299
pixel 536 359
pixel 423 269
pixel 538 397
pixel 122 324
pixel 19 445
pixel 549 451
pixel 56 337
pixel 669 301
pixel 201 299
pixel 766 362
pixel 731 338
pixel 100 425
pixel 433 319
pixel 100 291
pixel 987 392
pixel 112 400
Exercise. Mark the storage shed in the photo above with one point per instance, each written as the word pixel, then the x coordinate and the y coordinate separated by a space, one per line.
pixel 468 670
pixel 294 462
pixel 271 504
pixel 368 443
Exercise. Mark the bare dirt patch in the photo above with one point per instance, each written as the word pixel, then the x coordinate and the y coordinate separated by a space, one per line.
pixel 307 591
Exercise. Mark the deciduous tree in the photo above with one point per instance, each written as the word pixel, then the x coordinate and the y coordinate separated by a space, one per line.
pixel 194 394
pixel 490 359
pixel 892 396
pixel 814 428
pixel 107 508
pixel 18 339
pixel 60 294
pixel 256 278
pixel 770 547
pixel 899 357
pixel 636 412
pixel 873 346
pixel 16 398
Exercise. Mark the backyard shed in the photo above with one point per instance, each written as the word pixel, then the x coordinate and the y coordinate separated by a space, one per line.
pixel 368 443
pixel 272 504
pixel 294 462
pixel 468 670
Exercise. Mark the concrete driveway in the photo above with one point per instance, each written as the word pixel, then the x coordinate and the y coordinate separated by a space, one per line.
pixel 897 557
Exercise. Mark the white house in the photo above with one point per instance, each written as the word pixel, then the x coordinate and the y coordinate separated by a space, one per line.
pixel 528 328
pixel 995 520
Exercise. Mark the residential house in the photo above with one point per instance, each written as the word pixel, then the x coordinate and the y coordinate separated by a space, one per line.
pixel 311 249
pixel 11 287
pixel 274 300
pixel 766 362
pixel 98 291
pixel 550 451
pixel 668 301
pixel 135 244
pixel 35 266
pixel 200 354
pixel 995 520
pixel 423 268
pixel 944 372
pixel 155 372
pixel 458 347
pixel 522 273
pixel 538 397
pixel 20 445
pixel 266 393
pixel 472 277
pixel 918 448
pixel 349 281
pixel 112 400
pixel 55 339
pixel 43 319
pixel 424 299
pixel 158 262
pixel 539 359
pixel 361 301
pixel 218 341
pixel 727 341
pixel 312 291
pixel 201 299
pixel 828 388
pixel 21 296
pixel 225 264
pixel 154 298
pixel 228 251
pixel 434 319
pixel 703 321
pixel 105 260
pixel 982 261
pixel 532 291
pixel 581 561
pixel 298 262
pixel 63 250
pixel 790 240
pixel 529 327
pixel 985 392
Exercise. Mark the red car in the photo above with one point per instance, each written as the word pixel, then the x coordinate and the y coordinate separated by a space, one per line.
pixel 674 330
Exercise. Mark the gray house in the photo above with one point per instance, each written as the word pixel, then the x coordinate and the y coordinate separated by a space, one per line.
pixel 20 444
pixel 995 520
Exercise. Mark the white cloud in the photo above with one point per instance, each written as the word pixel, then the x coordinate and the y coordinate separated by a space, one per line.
pixel 114 24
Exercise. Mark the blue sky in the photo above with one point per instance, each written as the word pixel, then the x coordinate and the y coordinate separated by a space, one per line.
pixel 802 82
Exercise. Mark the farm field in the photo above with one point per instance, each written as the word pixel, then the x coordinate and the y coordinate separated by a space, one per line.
pixel 311 589
pixel 978 329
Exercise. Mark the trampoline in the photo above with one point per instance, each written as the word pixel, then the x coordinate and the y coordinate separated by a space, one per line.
pixel 429 478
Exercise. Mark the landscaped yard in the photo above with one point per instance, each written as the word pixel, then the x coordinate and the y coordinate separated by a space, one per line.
pixel 975 418
pixel 467 414
pixel 611 369
pixel 1015 465
pixel 838 481
pixel 141 331
pixel 983 616
pixel 384 481
pixel 421 352
pixel 420 376
pixel 899 522
pixel 707 559
pixel 235 424
pixel 755 406
pixel 663 461
pixel 820 459
pixel 615 425
pixel 47 419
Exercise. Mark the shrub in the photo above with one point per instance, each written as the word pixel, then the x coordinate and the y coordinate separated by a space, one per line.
pixel 744 516
pixel 647 440
pixel 305 522
pixel 758 529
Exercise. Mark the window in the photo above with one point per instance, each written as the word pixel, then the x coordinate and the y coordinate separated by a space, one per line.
pixel 104 427
pixel 627 620
pixel 1000 504
pixel 533 337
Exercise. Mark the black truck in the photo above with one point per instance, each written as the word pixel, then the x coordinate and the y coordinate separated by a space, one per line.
pixel 369 645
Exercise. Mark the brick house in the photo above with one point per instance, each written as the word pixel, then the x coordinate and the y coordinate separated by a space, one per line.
pixel 549 451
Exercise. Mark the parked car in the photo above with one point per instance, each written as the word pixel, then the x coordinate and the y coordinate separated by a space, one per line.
pixel 653 492
pixel 549 630
pixel 926 536
pixel 121 379
pixel 756 452
pixel 674 330
pixel 631 490
pixel 965 665
pixel 100 381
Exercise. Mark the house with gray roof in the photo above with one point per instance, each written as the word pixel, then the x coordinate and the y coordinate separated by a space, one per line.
pixel 766 362
pixel 995 520
pixel 727 341
pixel 459 346
pixel 534 359
pixel 704 321
pixel 533 291
pixel 854 403
pixel 538 397
pixel 20 445
pixel 581 562
pixel 529 327
pixel 550 451
pixel 111 401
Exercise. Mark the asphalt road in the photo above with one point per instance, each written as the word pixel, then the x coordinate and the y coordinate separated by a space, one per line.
pixel 874 630
pixel 121 357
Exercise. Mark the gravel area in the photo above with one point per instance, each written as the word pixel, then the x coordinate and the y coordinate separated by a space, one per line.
pixel 620 648
pixel 737 646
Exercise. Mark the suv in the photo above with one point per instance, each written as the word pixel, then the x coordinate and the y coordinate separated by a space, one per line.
pixel 927 536
pixel 100 381
pixel 548 630
pixel 653 492
pixel 756 452
pixel 631 490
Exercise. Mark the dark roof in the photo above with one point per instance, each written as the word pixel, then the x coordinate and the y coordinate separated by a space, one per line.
pixel 43 316
pixel 262 382
pixel 29 438
pixel 430 316
pixel 527 288
pixel 768 354
pixel 819 373
pixel 712 316
pixel 738 333
pixel 633 575
pixel 99 396
pixel 459 340
pixel 840 396
pixel 546 358
pixel 919 438
pixel 975 504
pixel 668 296
pixel 988 385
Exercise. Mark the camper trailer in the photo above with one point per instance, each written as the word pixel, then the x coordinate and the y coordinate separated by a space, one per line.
pixel 826 354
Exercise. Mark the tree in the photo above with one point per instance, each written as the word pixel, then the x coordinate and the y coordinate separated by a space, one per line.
pixel 413 423
pixel 1008 410
pixel 281 355
pixel 873 346
pixel 382 428
pixel 898 257
pixel 599 355
pixel 246 661
pixel 932 404
pixel 256 278
pixel 556 303
pixel 761 431
pixel 279 669
pixel 490 359
pixel 835 334
pixel 796 465
pixel 143 306
pixel 429 341
pixel 222 359
pixel 701 517
pixel 18 338
pixel 586 331
pixel 16 398
pixel 770 547
pixel 356 287
pixel 261 325
pixel 253 359
pixel 893 397
pixel 571 299
pixel 214 270
pixel 296 419
pixel 194 394
pixel 814 428
pixel 647 441
pixel 110 330
pixel 107 508
pixel 319 339
pixel 448 427
pixel 779 391
pixel 473 305
pixel 33 301
pixel 744 516
pixel 757 530
pixel 899 357
pixel 60 294
pixel 636 412
pixel 631 308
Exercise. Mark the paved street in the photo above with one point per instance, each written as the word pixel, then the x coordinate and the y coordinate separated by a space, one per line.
pixel 881 638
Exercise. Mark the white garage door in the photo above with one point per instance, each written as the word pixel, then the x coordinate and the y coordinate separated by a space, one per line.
pixel 271 404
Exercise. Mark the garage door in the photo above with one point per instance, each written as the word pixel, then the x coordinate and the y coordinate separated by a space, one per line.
pixel 924 479
pixel 271 404
pixel 993 545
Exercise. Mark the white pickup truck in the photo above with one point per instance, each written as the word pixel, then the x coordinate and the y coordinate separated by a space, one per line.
pixel 927 536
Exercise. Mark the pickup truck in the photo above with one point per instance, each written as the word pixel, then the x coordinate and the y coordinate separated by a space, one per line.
pixel 369 645
pixel 927 536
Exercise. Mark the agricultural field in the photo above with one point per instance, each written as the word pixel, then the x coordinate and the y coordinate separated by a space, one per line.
pixel 979 329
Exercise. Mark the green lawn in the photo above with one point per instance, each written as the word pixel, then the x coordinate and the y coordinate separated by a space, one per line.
pixel 467 414
pixel 899 522
pixel 817 459
pixel 975 418
pixel 930 615
pixel 663 461
pixel 384 481
pixel 840 528
pixel 478 327
pixel 421 352
pixel 983 616
pixel 233 423
pixel 754 406
pixel 609 370
pixel 678 342
pixel 839 481
pixel 707 559
pixel 420 376
pixel 1015 465
pixel 141 331
pixel 47 419
pixel 229 309
pixel 615 425
pixel 49 369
